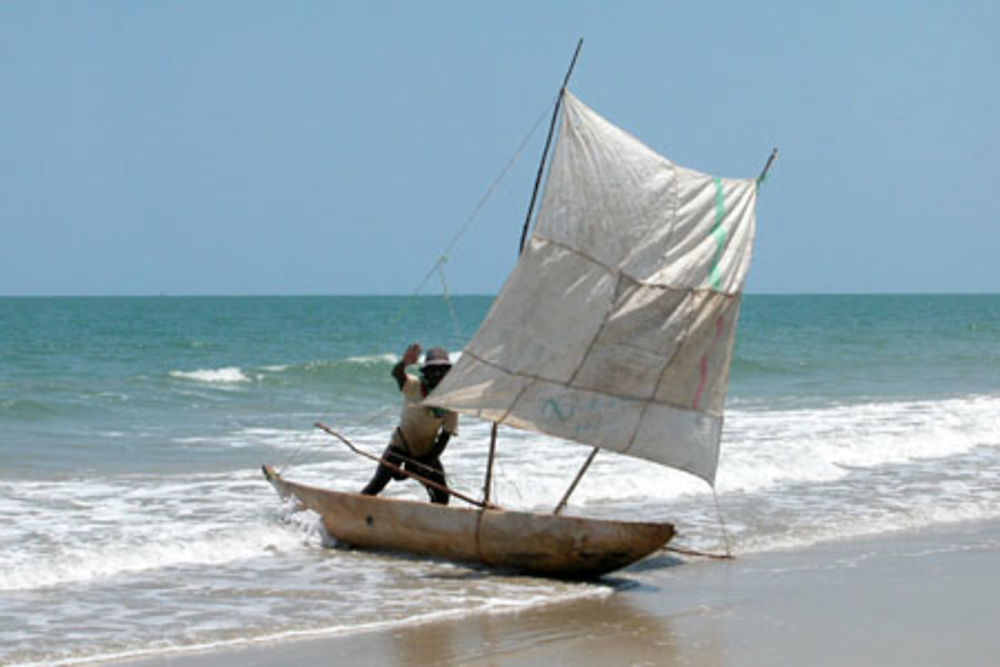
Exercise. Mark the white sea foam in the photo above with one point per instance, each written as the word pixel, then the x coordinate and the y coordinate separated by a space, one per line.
pixel 765 449
pixel 227 375
pixel 762 451
pixel 275 438
pixel 74 563
pixel 368 360
pixel 199 547
pixel 128 545
pixel 786 478
pixel 276 368
pixel 511 597
pixel 389 357
pixel 75 531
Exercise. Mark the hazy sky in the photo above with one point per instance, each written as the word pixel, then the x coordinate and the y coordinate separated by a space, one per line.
pixel 327 147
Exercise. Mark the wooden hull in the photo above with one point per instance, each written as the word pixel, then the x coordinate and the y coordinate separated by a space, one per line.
pixel 555 546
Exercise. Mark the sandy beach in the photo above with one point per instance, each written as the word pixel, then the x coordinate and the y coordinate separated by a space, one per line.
pixel 909 598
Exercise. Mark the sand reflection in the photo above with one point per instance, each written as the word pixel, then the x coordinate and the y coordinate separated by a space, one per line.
pixel 591 631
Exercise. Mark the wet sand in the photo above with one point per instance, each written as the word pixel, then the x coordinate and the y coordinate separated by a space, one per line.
pixel 923 598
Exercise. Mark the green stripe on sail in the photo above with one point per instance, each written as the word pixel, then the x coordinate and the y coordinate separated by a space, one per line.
pixel 720 236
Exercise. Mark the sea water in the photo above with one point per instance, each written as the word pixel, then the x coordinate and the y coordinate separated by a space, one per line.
pixel 134 519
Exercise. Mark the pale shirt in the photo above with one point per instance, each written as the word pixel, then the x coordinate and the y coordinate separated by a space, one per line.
pixel 420 423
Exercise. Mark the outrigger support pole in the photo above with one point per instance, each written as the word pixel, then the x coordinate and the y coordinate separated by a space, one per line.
pixel 488 485
pixel 579 476
pixel 400 470
pixel 545 151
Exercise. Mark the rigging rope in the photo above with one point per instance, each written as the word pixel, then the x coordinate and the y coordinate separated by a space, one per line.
pixel 701 554
pixel 294 459
pixel 725 538
pixel 722 524
pixel 479 205
pixel 447 296
pixel 438 266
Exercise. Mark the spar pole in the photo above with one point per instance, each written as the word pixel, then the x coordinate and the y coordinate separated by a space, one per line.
pixel 767 167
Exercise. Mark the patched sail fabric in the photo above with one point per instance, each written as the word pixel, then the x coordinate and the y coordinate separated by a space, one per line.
pixel 616 328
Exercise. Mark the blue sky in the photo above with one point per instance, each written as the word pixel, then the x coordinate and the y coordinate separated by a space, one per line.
pixel 336 148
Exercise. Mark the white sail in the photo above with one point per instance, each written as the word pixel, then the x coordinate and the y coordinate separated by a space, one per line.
pixel 616 327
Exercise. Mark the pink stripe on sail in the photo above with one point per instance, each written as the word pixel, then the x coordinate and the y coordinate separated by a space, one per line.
pixel 703 364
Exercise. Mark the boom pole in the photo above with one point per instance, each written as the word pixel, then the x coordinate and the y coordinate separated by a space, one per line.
pixel 402 471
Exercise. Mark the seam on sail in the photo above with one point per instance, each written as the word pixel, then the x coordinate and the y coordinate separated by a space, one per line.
pixel 638 427
pixel 528 376
pixel 687 319
pixel 538 379
pixel 517 398
pixel 638 281
pixel 577 251
pixel 600 330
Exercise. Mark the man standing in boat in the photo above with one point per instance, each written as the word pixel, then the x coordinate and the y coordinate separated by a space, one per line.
pixel 423 432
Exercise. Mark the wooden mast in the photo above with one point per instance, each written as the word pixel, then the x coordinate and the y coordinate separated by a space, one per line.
pixel 524 238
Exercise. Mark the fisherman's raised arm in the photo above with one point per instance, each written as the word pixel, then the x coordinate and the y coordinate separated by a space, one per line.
pixel 411 356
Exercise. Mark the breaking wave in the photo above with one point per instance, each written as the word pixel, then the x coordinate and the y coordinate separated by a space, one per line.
pixel 227 375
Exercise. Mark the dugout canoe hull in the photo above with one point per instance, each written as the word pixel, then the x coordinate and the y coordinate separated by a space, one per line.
pixel 544 544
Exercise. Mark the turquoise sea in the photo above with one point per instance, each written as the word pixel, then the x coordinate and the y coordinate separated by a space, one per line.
pixel 134 520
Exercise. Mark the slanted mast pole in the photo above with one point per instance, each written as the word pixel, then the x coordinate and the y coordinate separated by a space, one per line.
pixel 545 151
pixel 524 238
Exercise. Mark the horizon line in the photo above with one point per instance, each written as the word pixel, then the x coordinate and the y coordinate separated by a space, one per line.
pixel 304 295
